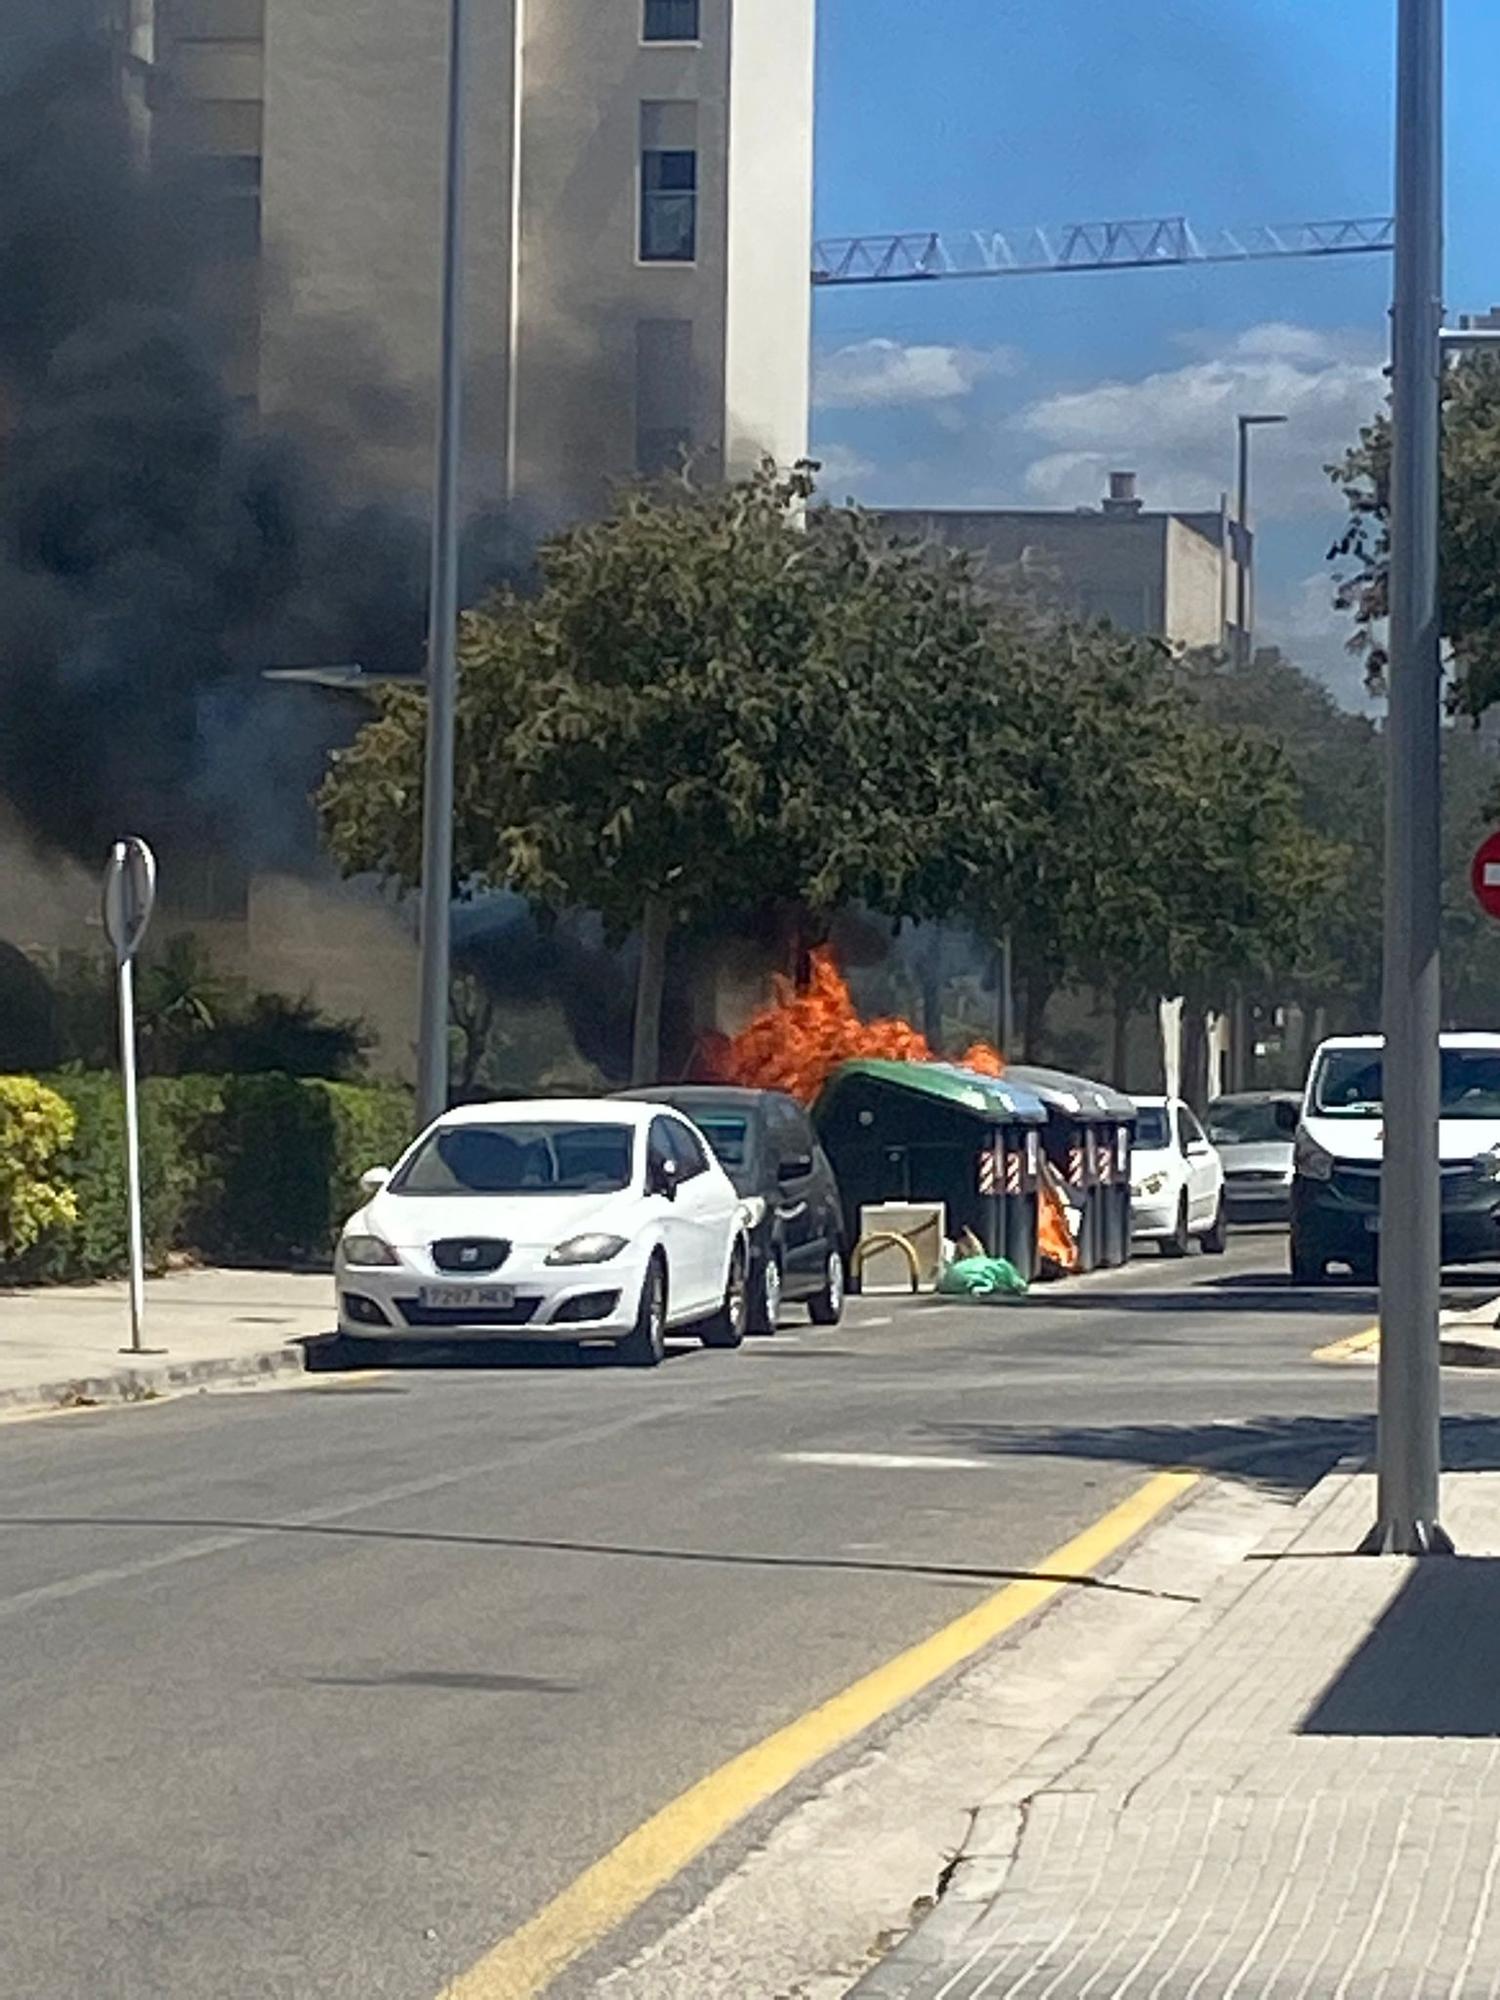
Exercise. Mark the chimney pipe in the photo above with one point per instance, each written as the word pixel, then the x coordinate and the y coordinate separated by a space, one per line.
pixel 1122 498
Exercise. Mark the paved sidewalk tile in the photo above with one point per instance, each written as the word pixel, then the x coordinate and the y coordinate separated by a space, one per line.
pixel 1304 1801
pixel 62 1343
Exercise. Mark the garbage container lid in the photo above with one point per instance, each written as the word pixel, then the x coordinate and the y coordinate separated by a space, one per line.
pixel 1081 1097
pixel 998 1100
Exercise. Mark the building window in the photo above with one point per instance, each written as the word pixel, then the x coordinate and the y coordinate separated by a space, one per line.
pixel 669 205
pixel 672 21
pixel 663 395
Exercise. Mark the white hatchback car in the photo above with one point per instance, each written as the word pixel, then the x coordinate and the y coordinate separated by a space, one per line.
pixel 586 1220
pixel 1176 1180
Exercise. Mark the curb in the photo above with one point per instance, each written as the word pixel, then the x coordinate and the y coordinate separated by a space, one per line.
pixel 147 1383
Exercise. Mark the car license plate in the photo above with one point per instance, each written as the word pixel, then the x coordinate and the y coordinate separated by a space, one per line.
pixel 1372 1225
pixel 454 1298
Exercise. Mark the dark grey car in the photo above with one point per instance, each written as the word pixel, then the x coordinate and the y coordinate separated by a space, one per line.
pixel 765 1143
pixel 1255 1132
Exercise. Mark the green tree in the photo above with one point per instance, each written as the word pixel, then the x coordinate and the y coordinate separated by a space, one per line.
pixel 1470 533
pixel 716 704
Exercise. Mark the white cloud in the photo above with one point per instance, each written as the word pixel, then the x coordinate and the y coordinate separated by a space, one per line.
pixel 884 374
pixel 843 468
pixel 1176 428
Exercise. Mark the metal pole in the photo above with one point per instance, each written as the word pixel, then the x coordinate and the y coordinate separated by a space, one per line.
pixel 442 628
pixel 1410 1218
pixel 1007 998
pixel 136 1233
pixel 1243 570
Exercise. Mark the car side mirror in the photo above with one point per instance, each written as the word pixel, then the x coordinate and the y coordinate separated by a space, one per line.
pixel 373 1179
pixel 796 1167
pixel 664 1179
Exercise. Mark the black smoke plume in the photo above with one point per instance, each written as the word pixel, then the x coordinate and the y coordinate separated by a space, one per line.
pixel 158 549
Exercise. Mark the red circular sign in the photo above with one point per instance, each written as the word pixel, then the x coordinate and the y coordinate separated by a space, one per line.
pixel 1484 876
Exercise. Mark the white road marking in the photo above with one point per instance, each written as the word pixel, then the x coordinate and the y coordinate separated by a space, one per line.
pixel 885 1320
pixel 886 1461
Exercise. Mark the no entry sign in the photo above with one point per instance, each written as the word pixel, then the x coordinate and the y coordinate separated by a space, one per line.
pixel 1485 875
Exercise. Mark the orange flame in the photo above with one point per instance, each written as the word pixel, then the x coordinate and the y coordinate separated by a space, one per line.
pixel 797 1042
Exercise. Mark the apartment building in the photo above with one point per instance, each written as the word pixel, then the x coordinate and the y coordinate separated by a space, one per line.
pixel 638 216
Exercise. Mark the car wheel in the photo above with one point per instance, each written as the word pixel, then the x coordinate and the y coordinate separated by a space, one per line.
pixel 1216 1242
pixel 1305 1268
pixel 826 1308
pixel 1180 1241
pixel 727 1327
pixel 767 1309
pixel 645 1346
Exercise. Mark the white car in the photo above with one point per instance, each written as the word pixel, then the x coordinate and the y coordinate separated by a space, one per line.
pixel 586 1220
pixel 1176 1180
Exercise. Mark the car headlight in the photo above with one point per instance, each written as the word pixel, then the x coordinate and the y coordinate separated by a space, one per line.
pixel 367 1250
pixel 593 1247
pixel 754 1206
pixel 1152 1184
pixel 1311 1160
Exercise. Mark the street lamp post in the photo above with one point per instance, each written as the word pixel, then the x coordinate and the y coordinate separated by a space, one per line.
pixel 1243 600
pixel 442 614
pixel 1410 1211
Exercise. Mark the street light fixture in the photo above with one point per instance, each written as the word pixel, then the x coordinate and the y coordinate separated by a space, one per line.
pixel 1242 518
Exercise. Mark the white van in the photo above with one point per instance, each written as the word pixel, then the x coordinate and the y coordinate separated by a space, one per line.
pixel 1340 1139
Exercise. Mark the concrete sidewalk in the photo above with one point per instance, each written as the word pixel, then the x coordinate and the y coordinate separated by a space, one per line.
pixel 1298 1795
pixel 61 1345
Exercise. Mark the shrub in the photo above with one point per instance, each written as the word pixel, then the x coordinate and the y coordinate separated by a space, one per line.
pixel 288 1153
pixel 35 1128
pixel 248 1168
pixel 94 1242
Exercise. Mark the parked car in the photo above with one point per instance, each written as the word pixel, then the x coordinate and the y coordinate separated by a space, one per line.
pixel 1255 1132
pixel 1336 1183
pixel 587 1220
pixel 1176 1180
pixel 765 1143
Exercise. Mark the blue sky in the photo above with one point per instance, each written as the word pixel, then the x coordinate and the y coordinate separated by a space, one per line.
pixel 954 114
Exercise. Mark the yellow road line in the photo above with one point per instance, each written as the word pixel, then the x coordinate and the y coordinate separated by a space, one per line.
pixel 617 1885
pixel 1346 1350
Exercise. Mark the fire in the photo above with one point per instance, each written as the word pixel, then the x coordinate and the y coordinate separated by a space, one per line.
pixel 797 1042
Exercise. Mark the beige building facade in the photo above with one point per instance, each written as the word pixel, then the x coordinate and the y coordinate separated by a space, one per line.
pixel 1171 575
pixel 638 221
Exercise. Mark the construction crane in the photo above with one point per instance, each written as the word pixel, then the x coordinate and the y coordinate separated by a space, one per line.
pixel 1161 242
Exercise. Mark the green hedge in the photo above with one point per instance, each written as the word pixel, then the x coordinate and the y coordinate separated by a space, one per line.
pixel 241 1168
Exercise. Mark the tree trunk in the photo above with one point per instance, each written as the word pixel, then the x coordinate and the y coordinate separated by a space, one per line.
pixel 651 979
pixel 1121 1015
pixel 1034 1015
pixel 1195 1053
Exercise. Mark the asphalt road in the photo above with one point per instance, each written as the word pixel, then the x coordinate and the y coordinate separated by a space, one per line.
pixel 323 1691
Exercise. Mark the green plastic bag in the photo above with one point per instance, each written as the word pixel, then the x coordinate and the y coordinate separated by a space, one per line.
pixel 981 1278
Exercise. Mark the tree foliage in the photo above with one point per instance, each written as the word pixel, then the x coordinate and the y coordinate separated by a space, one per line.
pixel 726 702
pixel 1470 534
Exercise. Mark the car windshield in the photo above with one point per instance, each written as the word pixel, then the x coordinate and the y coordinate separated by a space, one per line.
pixel 1257 1122
pixel 1151 1134
pixel 1348 1084
pixel 728 1135
pixel 538 1157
